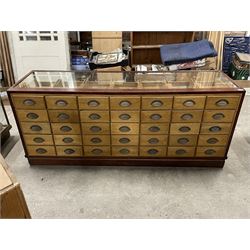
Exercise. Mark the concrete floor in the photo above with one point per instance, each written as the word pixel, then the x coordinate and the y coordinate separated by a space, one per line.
pixel 118 192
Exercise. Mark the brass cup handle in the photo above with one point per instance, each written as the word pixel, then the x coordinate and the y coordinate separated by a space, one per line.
pixel 180 151
pixel 153 141
pixel 63 116
pixel 218 116
pixel 29 102
pixel 212 140
pixel 183 141
pixel 124 116
pixel 93 103
pixel 65 128
pixel 189 103
pixel 38 140
pixel 187 117
pixel 61 103
pixel 124 151
pixel 35 128
pixel 69 151
pixel 95 129
pixel 124 129
pixel 96 140
pixel 125 103
pixel 124 140
pixel 32 116
pixel 68 140
pixel 152 151
pixel 97 151
pixel 155 117
pixel 94 117
pixel 184 129
pixel 222 103
pixel 156 103
pixel 154 129
pixel 41 150
pixel 210 152
pixel 215 129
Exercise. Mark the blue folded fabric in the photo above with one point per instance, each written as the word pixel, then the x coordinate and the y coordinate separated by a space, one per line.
pixel 186 52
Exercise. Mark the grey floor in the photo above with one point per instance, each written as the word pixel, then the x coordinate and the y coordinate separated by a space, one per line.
pixel 118 192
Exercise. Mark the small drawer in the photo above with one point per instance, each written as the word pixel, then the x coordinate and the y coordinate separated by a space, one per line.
pixel 125 140
pixel 187 116
pixel 41 150
pixel 222 102
pixel 93 102
pixel 96 151
pixel 153 140
pixel 218 115
pixel 124 128
pixel 125 102
pixel 155 116
pixel 61 102
pixel 181 151
pixel 210 140
pixel 189 102
pixel 152 128
pixel 66 128
pixel 153 151
pixel 125 151
pixel 210 151
pixel 32 115
pixel 28 101
pixel 63 115
pixel 38 139
pixel 68 139
pixel 94 116
pixel 185 128
pixel 35 128
pixel 69 151
pixel 125 116
pixel 182 140
pixel 215 128
pixel 96 140
pixel 156 102
pixel 98 128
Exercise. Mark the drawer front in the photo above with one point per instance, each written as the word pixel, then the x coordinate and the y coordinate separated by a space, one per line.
pixel 41 150
pixel 125 116
pixel 152 128
pixel 181 151
pixel 187 116
pixel 125 151
pixel 124 128
pixel 93 102
pixel 68 139
pixel 125 140
pixel 182 140
pixel 153 140
pixel 189 102
pixel 28 101
pixel 61 102
pixel 218 115
pixel 32 115
pixel 35 128
pixel 95 151
pixel 212 140
pixel 63 115
pixel 69 151
pixel 94 116
pixel 215 128
pixel 222 102
pixel 155 116
pixel 210 151
pixel 66 128
pixel 153 151
pixel 96 140
pixel 185 128
pixel 125 102
pixel 98 128
pixel 156 102
pixel 38 139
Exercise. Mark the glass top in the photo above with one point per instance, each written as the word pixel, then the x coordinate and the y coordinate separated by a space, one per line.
pixel 126 80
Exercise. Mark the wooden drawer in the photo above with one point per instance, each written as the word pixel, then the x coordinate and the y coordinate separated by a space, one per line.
pixel 181 151
pixel 28 101
pixel 212 140
pixel 96 140
pixel 96 151
pixel 93 102
pixel 156 102
pixel 125 151
pixel 125 128
pixel 153 140
pixel 41 150
pixel 155 116
pixel 125 116
pixel 187 116
pixel 222 102
pixel 63 115
pixel 185 128
pixel 125 102
pixel 35 128
pixel 215 128
pixel 94 116
pixel 125 140
pixel 66 128
pixel 38 139
pixel 189 102
pixel 69 151
pixel 218 115
pixel 32 115
pixel 68 139
pixel 152 151
pixel 210 151
pixel 151 128
pixel 182 140
pixel 61 102
pixel 92 128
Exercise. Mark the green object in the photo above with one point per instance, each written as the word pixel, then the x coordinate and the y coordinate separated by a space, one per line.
pixel 239 68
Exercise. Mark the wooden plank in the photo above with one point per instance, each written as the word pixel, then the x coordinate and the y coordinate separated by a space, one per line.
pixel 106 34
pixel 106 45
pixel 5 180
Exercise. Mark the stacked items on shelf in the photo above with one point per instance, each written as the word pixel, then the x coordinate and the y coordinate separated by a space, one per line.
pixel 79 62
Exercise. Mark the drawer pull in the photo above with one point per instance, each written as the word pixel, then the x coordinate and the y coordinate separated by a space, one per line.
pixel 32 116
pixel 29 102
pixel 41 150
pixel 184 129
pixel 68 140
pixel 212 140
pixel 61 103
pixel 154 129
pixel 94 116
pixel 95 129
pixel 222 103
pixel 152 151
pixel 156 103
pixel 153 141
pixel 215 129
pixel 155 117
pixel 183 141
pixel 210 152
pixel 124 116
pixel 187 117
pixel 69 151
pixel 93 103
pixel 124 151
pixel 35 128
pixel 124 140
pixel 218 116
pixel 180 151
pixel 65 128
pixel 38 139
pixel 63 116
pixel 96 140
pixel 125 103
pixel 124 129
pixel 189 103
pixel 97 151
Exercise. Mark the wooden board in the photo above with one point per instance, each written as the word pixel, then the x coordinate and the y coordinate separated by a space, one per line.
pixel 5 180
